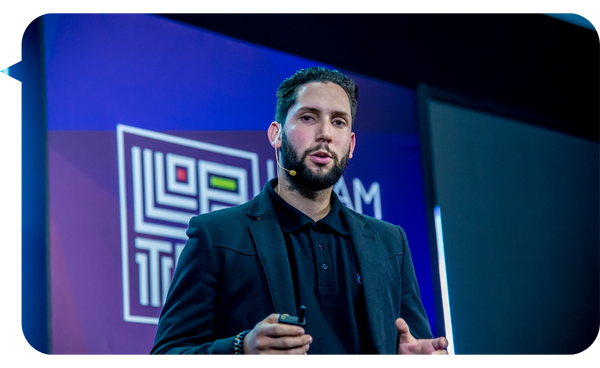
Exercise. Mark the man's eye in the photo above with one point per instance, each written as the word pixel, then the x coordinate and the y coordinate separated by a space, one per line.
pixel 339 122
pixel 306 118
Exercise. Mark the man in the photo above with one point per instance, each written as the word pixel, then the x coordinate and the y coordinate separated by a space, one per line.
pixel 296 244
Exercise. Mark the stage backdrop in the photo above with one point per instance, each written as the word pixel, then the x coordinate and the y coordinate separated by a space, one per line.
pixel 151 122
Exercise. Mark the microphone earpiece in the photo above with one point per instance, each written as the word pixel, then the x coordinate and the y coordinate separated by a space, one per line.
pixel 278 135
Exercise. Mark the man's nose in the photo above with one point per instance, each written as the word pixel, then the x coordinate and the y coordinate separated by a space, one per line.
pixel 324 133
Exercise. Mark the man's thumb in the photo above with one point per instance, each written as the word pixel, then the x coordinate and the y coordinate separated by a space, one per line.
pixel 404 331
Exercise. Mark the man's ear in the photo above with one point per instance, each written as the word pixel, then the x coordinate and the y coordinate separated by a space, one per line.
pixel 352 144
pixel 274 134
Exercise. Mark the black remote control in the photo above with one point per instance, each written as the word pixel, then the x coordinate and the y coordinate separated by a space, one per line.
pixel 292 320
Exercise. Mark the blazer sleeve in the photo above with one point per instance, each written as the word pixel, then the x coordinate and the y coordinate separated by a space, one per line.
pixel 412 310
pixel 187 321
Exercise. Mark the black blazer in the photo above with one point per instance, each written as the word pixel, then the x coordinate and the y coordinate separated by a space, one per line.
pixel 234 272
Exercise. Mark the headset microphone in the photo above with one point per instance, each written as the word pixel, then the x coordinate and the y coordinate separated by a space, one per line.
pixel 292 172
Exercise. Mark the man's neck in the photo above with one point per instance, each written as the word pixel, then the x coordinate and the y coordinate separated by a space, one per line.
pixel 315 205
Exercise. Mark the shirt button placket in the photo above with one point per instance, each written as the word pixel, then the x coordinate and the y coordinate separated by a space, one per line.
pixel 326 277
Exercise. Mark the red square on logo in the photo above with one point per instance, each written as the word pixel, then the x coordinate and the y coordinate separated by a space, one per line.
pixel 181 175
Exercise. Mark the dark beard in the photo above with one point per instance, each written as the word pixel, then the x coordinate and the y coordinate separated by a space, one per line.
pixel 305 180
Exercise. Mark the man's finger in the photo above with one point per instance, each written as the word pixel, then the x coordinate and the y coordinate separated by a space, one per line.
pixel 280 329
pixel 404 331
pixel 290 342
pixel 440 343
pixel 272 328
pixel 272 318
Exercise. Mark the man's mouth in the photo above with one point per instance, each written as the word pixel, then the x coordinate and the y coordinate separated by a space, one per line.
pixel 320 157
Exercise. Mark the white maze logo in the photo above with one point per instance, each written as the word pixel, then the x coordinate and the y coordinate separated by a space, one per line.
pixel 164 180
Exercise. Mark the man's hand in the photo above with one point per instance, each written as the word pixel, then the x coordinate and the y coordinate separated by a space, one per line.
pixel 271 337
pixel 409 345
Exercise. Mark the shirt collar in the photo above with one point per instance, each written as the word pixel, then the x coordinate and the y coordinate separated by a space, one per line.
pixel 292 219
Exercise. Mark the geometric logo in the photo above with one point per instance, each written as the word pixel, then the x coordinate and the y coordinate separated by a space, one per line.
pixel 164 180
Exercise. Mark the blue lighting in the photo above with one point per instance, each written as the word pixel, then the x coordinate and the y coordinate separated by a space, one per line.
pixel 5 72
pixel 576 19
pixel 443 280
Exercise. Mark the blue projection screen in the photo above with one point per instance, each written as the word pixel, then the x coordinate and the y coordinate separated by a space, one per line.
pixel 126 92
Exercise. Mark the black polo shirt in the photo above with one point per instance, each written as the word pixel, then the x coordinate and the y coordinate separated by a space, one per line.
pixel 326 277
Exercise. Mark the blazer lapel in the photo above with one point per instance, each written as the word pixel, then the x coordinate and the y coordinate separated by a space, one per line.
pixel 272 254
pixel 368 255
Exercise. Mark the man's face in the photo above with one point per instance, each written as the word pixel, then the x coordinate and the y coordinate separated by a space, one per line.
pixel 317 139
pixel 307 178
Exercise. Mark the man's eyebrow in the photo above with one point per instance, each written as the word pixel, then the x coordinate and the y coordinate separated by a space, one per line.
pixel 316 110
pixel 308 109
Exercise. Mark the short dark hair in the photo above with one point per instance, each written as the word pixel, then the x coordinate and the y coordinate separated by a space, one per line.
pixel 288 89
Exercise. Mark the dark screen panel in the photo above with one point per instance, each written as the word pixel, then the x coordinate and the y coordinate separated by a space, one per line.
pixel 519 205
